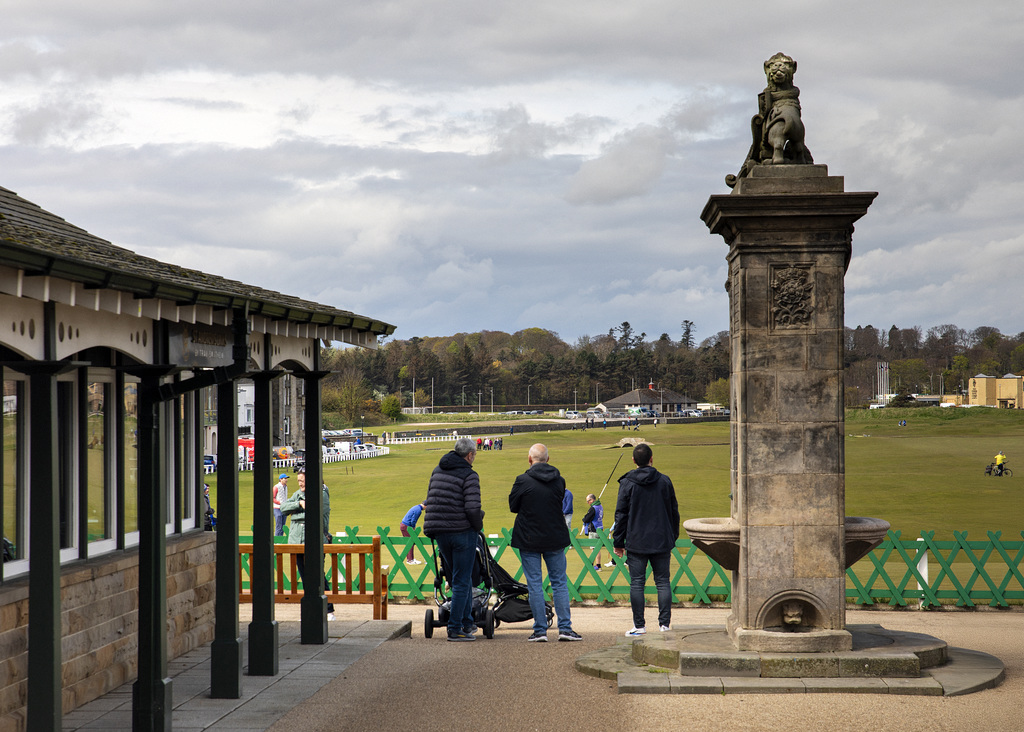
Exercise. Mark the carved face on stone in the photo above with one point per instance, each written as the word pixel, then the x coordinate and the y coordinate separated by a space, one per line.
pixel 792 612
pixel 780 69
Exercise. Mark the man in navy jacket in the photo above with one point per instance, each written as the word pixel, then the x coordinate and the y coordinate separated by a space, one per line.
pixel 646 529
pixel 454 520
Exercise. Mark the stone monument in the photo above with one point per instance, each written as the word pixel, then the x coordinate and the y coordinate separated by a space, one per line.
pixel 788 542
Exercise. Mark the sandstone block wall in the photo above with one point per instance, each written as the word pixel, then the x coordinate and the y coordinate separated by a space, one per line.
pixel 99 623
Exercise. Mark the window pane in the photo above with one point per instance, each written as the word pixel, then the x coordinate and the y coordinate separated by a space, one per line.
pixel 13 495
pixel 66 485
pixel 130 435
pixel 186 461
pixel 96 455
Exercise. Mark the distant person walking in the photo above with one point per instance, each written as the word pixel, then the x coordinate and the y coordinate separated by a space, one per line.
pixel 280 496
pixel 454 519
pixel 409 522
pixel 646 529
pixel 540 532
pixel 567 509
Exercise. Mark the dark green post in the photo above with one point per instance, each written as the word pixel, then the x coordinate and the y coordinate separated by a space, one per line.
pixel 313 606
pixel 263 630
pixel 226 649
pixel 152 700
pixel 44 632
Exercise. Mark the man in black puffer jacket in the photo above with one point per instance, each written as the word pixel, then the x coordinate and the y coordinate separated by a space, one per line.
pixel 540 531
pixel 454 519
pixel 646 526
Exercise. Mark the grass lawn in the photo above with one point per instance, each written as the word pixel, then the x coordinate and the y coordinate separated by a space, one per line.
pixel 928 475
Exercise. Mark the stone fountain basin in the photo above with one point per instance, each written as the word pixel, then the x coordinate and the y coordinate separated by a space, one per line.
pixel 719 538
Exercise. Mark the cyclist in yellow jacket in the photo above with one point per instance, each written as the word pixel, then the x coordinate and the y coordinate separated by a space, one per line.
pixel 1000 460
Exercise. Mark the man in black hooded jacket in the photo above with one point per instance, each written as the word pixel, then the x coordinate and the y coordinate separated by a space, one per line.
pixel 454 520
pixel 540 532
pixel 646 526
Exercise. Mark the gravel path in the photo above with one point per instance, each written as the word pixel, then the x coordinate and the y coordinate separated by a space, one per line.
pixel 509 684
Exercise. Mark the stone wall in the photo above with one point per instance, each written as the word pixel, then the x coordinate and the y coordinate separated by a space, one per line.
pixel 99 622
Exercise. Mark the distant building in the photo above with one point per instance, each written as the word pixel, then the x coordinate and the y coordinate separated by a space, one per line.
pixel 663 401
pixel 1005 392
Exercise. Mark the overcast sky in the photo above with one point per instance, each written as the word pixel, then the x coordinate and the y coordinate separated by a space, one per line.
pixel 458 166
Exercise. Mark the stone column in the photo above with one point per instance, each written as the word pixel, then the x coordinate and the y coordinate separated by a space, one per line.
pixel 789 230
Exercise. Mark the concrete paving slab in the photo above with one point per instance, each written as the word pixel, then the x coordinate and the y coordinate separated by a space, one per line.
pixel 845 686
pixel 914 687
pixel 967 672
pixel 695 684
pixel 637 681
pixel 735 685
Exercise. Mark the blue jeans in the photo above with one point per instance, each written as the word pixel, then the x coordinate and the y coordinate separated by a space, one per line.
pixel 555 562
pixel 278 522
pixel 637 564
pixel 459 551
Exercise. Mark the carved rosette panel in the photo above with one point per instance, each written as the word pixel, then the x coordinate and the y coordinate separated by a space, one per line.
pixel 792 296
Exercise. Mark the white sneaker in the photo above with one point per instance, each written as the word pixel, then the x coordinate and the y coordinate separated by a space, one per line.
pixel 634 632
pixel 665 628
pixel 413 561
pixel 330 616
pixel 609 564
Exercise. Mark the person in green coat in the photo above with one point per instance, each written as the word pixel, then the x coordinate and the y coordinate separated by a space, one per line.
pixel 296 508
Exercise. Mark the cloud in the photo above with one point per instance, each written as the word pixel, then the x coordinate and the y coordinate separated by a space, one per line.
pixel 505 166
pixel 629 166
pixel 60 117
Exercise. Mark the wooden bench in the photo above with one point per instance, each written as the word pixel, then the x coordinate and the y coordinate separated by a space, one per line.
pixel 348 582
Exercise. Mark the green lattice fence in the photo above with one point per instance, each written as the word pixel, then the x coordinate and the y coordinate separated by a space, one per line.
pixel 898 572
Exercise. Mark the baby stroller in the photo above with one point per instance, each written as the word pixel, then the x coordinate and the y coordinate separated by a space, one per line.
pixel 489 578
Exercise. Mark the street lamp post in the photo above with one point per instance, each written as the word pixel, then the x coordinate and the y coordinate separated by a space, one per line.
pixel 528 394
pixel 492 400
pixel 479 401
pixel 574 401
pixel 463 395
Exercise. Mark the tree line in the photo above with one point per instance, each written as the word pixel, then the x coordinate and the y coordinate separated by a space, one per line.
pixel 535 367
pixel 939 360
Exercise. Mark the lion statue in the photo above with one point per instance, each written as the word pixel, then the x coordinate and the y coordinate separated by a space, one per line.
pixel 777 129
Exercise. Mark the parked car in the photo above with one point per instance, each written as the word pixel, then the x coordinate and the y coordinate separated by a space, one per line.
pixel 572 415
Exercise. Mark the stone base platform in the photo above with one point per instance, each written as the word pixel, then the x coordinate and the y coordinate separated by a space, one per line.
pixel 701 659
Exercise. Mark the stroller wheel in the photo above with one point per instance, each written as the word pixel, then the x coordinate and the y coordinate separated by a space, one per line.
pixel 428 624
pixel 489 623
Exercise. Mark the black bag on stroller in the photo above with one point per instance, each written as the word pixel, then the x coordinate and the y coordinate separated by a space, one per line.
pixel 513 603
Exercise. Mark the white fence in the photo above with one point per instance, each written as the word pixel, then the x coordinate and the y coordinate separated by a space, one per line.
pixel 244 465
pixel 425 438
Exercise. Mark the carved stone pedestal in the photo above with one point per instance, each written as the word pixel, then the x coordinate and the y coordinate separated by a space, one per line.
pixel 789 230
